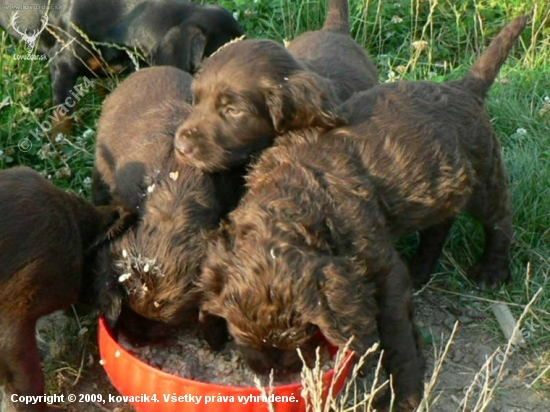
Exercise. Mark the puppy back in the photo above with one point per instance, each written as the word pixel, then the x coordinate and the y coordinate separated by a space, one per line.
pixel 137 127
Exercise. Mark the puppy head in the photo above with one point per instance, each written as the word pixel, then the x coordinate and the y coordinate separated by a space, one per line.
pixel 246 94
pixel 182 46
pixel 152 269
pixel 219 25
pixel 276 297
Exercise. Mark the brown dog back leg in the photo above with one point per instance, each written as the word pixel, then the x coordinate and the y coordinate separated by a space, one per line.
pixel 491 205
pixel 431 244
pixel 21 361
pixel 402 358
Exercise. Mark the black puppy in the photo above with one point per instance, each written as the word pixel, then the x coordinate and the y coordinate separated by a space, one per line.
pixel 165 32
pixel 47 237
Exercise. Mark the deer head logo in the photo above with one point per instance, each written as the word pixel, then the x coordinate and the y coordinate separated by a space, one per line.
pixel 30 39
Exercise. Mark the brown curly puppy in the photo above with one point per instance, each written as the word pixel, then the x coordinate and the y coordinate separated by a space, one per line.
pixel 47 238
pixel 455 113
pixel 146 279
pixel 250 91
pixel 311 245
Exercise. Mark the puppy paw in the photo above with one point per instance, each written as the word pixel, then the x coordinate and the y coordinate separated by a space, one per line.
pixel 490 276
pixel 64 125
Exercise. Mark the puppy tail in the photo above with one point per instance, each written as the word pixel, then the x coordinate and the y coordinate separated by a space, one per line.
pixel 481 76
pixel 337 16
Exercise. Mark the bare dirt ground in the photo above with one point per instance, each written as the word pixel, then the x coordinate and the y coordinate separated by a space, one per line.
pixel 476 339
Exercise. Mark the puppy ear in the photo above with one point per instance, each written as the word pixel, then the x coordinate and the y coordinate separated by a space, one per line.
pixel 111 305
pixel 339 303
pixel 107 289
pixel 115 220
pixel 300 101
pixel 182 46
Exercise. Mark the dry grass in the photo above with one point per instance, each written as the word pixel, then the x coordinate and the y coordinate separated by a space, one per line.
pixel 359 392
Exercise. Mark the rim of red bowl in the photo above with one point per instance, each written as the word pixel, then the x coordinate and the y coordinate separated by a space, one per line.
pixel 103 328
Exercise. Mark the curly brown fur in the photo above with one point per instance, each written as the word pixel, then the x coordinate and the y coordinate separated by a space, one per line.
pixel 245 95
pixel 311 245
pixel 152 270
pixel 334 55
pixel 308 249
pixel 457 109
pixel 146 279
pixel 46 236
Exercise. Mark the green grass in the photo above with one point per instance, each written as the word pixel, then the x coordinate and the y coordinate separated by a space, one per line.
pixel 454 32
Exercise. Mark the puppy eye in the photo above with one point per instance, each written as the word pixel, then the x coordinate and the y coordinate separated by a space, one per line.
pixel 232 111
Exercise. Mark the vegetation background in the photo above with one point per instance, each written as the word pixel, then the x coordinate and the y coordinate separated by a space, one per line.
pixel 408 39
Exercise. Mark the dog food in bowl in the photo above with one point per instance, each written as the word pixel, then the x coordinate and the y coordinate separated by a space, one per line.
pixel 190 356
pixel 150 389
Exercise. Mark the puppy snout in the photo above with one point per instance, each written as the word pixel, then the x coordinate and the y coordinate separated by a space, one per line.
pixel 183 143
pixel 185 147
pixel 282 363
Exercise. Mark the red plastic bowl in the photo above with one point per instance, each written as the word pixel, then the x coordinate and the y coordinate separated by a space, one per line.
pixel 133 377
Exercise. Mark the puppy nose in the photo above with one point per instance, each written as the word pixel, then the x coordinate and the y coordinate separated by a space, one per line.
pixel 185 147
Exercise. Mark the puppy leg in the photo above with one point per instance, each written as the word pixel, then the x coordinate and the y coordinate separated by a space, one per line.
pixel 431 244
pixel 491 205
pixel 64 75
pixel 21 364
pixel 493 269
pixel 398 338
